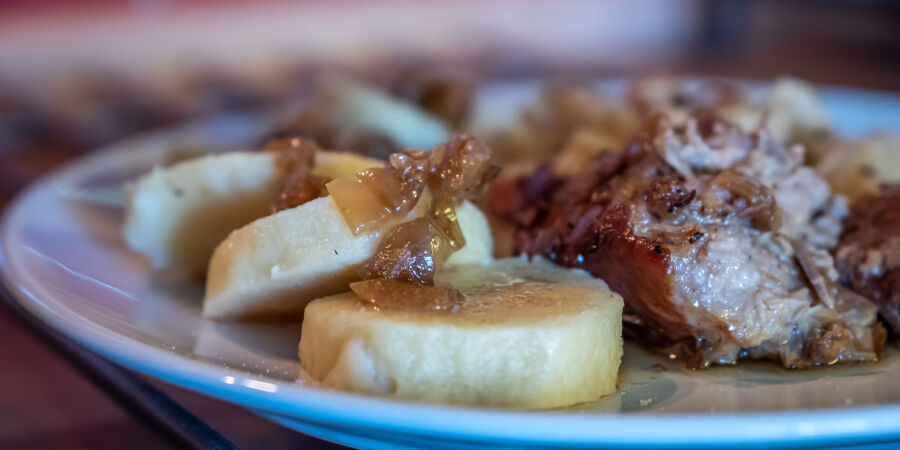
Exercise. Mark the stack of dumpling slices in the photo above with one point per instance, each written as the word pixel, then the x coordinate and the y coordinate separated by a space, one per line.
pixel 528 334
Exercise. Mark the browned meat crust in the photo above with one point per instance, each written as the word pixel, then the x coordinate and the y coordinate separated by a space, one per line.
pixel 868 257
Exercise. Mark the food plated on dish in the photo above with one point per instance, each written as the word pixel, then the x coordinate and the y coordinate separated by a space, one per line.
pixel 686 212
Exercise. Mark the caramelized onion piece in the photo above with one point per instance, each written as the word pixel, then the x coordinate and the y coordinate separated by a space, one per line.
pixel 398 295
pixel 413 251
pixel 400 274
pixel 373 199
pixel 461 168
pixel 442 215
pixel 457 170
pixel 295 158
pixel 753 200
pixel 380 194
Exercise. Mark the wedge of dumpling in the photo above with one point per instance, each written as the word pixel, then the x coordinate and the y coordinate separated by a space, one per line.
pixel 528 335
pixel 176 216
pixel 277 264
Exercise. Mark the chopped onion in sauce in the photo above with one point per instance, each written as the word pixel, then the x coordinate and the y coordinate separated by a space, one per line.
pixel 413 251
pixel 377 196
pixel 369 202
pixel 295 158
pixel 398 295
pixel 401 271
pixel 461 168
pixel 457 170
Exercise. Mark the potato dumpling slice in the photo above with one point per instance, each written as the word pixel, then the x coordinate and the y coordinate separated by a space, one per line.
pixel 528 335
pixel 176 216
pixel 277 264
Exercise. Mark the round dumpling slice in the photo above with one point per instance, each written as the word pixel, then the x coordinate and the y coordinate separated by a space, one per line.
pixel 528 335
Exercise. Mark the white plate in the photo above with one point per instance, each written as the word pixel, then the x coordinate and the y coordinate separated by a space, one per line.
pixel 63 258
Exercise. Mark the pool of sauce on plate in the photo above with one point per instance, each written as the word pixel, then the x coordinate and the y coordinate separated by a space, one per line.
pixel 653 383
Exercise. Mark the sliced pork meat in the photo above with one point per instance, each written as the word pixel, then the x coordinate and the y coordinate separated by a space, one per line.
pixel 715 238
pixel 868 257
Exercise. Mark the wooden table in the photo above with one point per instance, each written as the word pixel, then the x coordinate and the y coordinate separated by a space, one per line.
pixel 49 399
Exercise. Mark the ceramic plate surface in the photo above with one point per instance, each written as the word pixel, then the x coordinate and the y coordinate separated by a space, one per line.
pixel 64 259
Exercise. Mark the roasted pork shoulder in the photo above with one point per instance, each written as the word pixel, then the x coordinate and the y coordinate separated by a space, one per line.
pixel 717 240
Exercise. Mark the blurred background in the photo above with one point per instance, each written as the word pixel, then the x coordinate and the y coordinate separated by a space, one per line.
pixel 76 75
